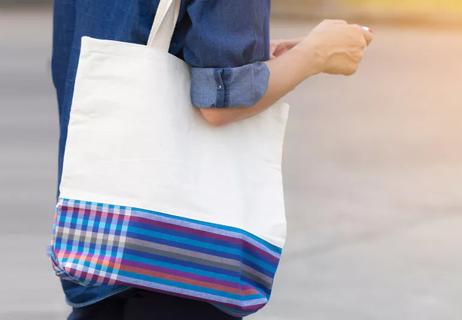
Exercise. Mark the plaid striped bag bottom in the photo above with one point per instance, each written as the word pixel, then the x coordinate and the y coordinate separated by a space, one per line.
pixel 96 243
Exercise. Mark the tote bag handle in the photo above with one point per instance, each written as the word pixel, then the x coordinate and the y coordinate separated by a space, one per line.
pixel 164 24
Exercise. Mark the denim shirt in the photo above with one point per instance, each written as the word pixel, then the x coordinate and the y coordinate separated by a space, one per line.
pixel 224 42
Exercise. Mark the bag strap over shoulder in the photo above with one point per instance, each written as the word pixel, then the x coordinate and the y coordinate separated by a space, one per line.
pixel 164 24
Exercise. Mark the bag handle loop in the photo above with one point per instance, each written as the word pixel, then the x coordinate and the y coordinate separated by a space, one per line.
pixel 164 24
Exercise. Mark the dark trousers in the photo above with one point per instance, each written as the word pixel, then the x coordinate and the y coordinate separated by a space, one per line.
pixel 137 304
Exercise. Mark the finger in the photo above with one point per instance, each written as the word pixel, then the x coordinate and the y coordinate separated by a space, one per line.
pixel 281 50
pixel 279 47
pixel 293 42
pixel 273 48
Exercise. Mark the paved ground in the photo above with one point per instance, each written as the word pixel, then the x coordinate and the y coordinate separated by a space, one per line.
pixel 372 181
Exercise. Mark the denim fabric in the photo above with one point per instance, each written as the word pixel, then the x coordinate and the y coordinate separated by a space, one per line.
pixel 221 87
pixel 223 41
pixel 225 35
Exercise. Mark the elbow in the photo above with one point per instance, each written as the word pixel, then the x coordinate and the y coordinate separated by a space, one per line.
pixel 216 118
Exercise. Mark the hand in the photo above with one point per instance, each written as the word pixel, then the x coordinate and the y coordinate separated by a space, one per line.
pixel 281 46
pixel 338 46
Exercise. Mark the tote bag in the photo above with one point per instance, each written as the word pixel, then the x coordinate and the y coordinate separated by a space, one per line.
pixel 154 197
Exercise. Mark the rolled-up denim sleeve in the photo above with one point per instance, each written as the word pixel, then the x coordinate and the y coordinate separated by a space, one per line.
pixel 226 45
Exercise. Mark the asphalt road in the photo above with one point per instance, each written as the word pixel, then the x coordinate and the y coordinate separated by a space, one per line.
pixel 372 164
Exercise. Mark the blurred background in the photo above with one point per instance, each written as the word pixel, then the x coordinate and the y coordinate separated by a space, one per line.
pixel 372 164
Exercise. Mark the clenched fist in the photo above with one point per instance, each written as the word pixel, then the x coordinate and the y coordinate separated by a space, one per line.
pixel 337 46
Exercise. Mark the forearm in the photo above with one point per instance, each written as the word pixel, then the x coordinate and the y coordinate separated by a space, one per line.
pixel 286 72
pixel 333 47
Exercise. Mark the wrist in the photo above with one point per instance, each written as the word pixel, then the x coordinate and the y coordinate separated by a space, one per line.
pixel 311 57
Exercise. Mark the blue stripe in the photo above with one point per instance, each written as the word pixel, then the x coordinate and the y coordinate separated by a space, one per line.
pixel 193 267
pixel 235 254
pixel 170 263
pixel 189 286
pixel 176 237
pixel 220 242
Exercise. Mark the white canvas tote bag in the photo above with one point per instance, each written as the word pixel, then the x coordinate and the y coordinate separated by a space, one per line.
pixel 152 196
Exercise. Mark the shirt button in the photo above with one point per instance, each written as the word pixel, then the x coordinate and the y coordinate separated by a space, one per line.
pixel 220 86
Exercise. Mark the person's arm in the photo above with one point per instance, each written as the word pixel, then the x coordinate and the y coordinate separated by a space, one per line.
pixel 286 72
pixel 333 47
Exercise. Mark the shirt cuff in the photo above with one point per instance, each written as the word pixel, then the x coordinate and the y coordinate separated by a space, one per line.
pixel 229 87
